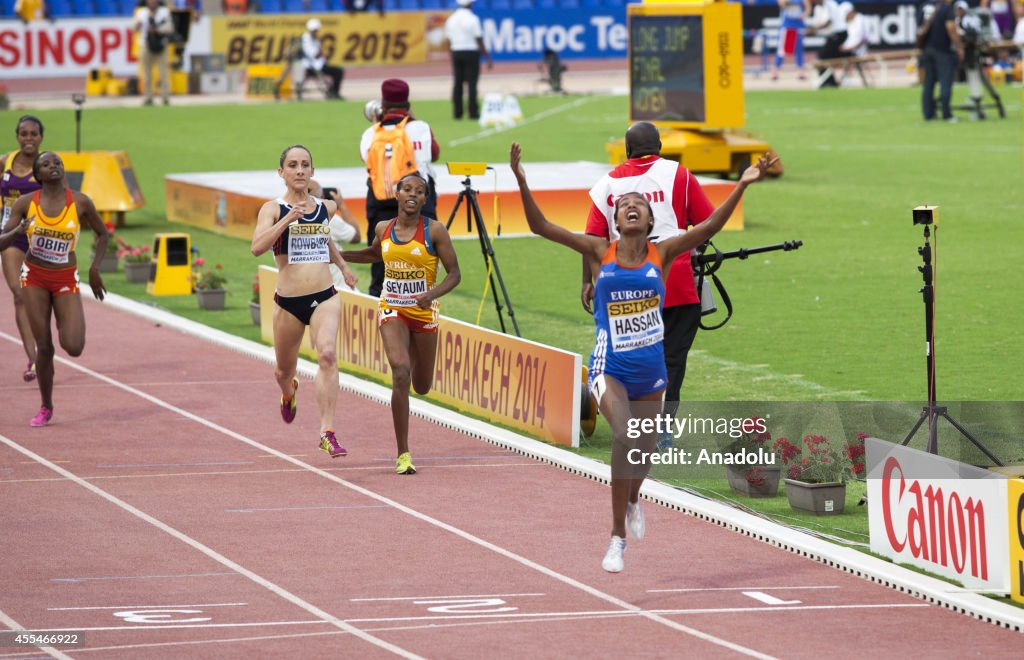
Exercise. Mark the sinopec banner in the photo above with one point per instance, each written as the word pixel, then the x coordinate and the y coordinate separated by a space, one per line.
pixel 68 47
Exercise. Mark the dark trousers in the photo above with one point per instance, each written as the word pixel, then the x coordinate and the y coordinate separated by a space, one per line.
pixel 466 71
pixel 939 67
pixel 681 323
pixel 378 211
pixel 830 50
pixel 336 74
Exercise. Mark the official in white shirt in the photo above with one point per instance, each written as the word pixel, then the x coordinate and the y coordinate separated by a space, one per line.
pixel 466 45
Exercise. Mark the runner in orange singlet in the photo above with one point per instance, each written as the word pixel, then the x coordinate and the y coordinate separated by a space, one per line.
pixel 410 247
pixel 51 218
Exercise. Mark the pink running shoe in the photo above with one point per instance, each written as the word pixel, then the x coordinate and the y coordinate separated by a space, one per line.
pixel 42 417
pixel 288 408
pixel 330 445
pixel 30 372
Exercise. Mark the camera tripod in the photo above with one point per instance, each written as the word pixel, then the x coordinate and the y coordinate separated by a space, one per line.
pixel 932 412
pixel 473 216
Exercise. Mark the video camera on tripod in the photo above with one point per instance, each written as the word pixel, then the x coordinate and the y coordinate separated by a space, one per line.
pixel 706 266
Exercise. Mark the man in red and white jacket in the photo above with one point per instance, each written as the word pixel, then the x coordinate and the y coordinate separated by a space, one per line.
pixel 677 201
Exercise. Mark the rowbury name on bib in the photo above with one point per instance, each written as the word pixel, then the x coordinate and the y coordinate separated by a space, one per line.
pixel 308 243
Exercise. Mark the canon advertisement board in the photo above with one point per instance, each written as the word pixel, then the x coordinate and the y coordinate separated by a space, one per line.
pixel 946 517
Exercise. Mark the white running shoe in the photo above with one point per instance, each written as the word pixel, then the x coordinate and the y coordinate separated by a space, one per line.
pixel 635 520
pixel 613 558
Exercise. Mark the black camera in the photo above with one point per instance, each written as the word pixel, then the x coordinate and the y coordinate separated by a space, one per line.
pixel 327 192
pixel 926 215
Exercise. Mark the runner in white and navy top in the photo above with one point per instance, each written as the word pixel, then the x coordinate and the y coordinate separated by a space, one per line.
pixel 296 228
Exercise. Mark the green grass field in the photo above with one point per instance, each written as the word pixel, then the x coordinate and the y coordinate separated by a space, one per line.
pixel 841 319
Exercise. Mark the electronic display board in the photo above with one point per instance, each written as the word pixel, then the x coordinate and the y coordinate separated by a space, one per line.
pixel 686 65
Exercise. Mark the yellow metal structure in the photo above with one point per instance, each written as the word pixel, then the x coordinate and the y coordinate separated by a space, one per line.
pixel 694 105
pixel 107 178
pixel 170 267
pixel 262 79
pixel 97 81
pixel 714 152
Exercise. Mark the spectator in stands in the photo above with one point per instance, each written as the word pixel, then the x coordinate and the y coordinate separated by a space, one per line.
pixel 939 39
pixel 154 26
pixel 828 19
pixel 791 34
pixel 1018 34
pixel 465 37
pixel 314 61
pixel 353 6
pixel 395 108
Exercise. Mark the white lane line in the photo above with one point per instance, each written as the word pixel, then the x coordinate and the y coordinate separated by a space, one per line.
pixel 309 508
pixel 508 554
pixel 48 650
pixel 140 607
pixel 779 588
pixel 225 473
pixel 367 600
pixel 167 465
pixel 183 626
pixel 633 613
pixel 209 552
pixel 141 577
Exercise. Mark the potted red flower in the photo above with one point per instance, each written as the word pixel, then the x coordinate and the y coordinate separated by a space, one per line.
pixel 816 474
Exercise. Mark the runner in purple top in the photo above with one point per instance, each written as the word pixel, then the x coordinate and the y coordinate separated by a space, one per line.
pixel 17 180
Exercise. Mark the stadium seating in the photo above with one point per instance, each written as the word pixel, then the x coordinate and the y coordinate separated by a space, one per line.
pixel 108 8
pixel 409 5
pixel 294 6
pixel 83 7
pixel 60 8
pixel 271 6
pixel 433 4
pixel 6 8
pixel 319 6
pixel 128 7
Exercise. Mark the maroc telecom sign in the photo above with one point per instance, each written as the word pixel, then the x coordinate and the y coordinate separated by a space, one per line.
pixel 940 515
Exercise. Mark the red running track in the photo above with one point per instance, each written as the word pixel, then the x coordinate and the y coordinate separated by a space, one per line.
pixel 167 512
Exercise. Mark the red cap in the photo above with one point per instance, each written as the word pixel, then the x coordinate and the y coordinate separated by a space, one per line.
pixel 394 90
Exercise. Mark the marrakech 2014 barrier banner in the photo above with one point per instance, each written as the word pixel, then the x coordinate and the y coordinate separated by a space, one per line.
pixel 493 376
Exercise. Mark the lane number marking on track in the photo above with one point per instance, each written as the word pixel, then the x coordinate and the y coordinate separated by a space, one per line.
pixel 769 600
pixel 161 616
